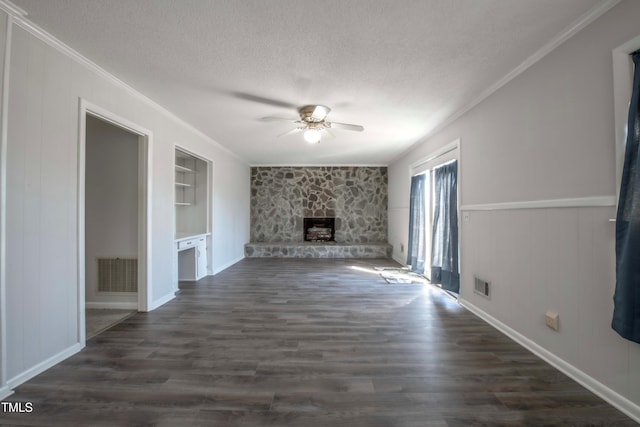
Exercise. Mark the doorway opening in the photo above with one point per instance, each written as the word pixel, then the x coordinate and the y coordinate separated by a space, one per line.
pixel 114 220
pixel 433 247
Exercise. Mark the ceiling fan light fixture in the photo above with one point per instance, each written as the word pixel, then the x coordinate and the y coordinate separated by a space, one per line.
pixel 312 136
pixel 313 123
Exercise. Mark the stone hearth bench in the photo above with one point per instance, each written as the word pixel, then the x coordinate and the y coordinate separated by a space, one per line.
pixel 317 250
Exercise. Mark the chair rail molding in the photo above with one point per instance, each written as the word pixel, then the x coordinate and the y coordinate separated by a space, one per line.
pixel 580 202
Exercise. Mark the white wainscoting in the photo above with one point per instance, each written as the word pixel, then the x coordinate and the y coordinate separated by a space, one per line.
pixel 540 258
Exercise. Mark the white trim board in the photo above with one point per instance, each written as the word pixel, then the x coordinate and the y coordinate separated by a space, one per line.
pixel 399 261
pixel 443 154
pixel 4 120
pixel 5 392
pixel 112 305
pixel 581 202
pixel 615 399
pixel 12 10
pixel 161 301
pixel 227 265
pixel 44 365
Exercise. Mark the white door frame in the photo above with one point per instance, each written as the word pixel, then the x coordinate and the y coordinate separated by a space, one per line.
pixel 145 138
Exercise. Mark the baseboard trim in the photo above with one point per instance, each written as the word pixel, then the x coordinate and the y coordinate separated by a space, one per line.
pixel 227 265
pixel 398 260
pixel 5 392
pixel 162 301
pixel 112 305
pixel 612 397
pixel 43 366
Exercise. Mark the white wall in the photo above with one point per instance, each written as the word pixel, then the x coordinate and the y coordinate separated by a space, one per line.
pixel 111 204
pixel 42 286
pixel 546 135
pixel 231 213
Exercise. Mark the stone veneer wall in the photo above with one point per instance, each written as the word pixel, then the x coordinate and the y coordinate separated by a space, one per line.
pixel 282 196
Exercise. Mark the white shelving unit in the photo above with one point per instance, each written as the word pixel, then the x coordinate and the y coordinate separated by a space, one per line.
pixel 185 179
pixel 192 200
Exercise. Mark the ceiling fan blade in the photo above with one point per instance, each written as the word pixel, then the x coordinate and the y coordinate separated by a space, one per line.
pixel 328 134
pixel 290 132
pixel 264 100
pixel 345 126
pixel 279 119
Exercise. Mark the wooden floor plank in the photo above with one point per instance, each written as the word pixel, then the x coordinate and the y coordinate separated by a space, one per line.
pixel 307 342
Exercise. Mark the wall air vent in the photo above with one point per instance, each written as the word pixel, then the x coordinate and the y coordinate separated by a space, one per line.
pixel 481 287
pixel 117 275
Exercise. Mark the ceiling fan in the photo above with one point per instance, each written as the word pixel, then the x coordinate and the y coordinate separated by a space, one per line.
pixel 313 123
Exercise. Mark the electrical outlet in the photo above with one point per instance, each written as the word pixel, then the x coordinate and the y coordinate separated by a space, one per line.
pixel 466 216
pixel 401 248
pixel 552 320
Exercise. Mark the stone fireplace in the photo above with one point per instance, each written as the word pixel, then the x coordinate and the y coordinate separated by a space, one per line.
pixel 285 200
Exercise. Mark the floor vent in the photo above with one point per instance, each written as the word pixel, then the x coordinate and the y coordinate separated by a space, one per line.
pixel 117 275
pixel 481 287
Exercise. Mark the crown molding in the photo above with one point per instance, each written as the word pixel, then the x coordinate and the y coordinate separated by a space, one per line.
pixel 552 45
pixel 580 23
pixel 12 9
pixel 19 17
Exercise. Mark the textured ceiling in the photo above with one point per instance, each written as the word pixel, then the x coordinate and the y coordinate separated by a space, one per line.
pixel 398 67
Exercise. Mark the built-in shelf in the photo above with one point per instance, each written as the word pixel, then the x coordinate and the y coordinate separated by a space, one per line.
pixel 184 169
pixel 185 179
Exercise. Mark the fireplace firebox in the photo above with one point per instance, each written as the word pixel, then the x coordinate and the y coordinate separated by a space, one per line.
pixel 319 229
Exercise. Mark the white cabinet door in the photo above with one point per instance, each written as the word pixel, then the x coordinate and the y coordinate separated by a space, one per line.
pixel 187 264
pixel 201 255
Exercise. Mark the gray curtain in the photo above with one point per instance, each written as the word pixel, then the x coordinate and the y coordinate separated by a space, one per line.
pixel 626 313
pixel 417 224
pixel 444 248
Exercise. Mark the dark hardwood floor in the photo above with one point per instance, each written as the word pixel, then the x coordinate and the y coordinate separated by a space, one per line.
pixel 298 342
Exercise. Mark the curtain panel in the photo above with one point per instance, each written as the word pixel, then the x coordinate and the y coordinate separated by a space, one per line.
pixel 417 224
pixel 626 314
pixel 444 248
